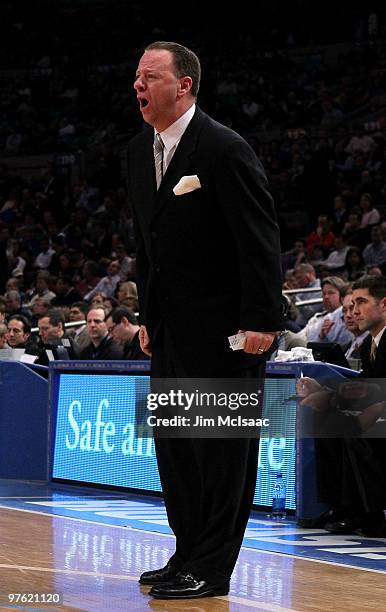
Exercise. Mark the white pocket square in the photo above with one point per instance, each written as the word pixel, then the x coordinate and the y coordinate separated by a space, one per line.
pixel 187 184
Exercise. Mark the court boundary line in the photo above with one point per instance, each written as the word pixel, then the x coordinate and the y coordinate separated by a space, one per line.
pixel 169 535
pixel 232 598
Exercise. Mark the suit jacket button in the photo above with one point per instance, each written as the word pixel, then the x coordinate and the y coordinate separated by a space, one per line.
pixel 157 268
pixel 153 235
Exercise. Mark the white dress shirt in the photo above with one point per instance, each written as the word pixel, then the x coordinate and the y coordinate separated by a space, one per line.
pixel 173 134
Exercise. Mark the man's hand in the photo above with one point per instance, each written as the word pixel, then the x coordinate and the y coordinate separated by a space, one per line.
pixel 144 340
pixel 257 342
pixel 326 326
pixel 305 386
pixel 318 401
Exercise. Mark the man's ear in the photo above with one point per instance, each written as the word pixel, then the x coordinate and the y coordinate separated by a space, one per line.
pixel 184 86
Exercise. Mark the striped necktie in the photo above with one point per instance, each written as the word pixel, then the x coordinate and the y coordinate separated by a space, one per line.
pixel 158 159
pixel 373 351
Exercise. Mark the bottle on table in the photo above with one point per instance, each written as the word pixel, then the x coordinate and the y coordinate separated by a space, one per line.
pixel 278 498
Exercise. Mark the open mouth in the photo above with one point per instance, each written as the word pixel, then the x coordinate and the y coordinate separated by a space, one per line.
pixel 143 102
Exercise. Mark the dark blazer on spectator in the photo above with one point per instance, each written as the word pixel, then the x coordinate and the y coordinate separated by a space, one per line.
pixel 378 368
pixel 132 350
pixel 108 349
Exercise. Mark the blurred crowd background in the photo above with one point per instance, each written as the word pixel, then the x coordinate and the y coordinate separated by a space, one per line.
pixel 305 85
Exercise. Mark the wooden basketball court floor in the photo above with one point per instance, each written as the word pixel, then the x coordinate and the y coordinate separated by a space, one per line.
pixel 94 567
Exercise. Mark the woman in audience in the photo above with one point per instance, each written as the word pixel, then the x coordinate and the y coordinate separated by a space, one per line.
pixel 370 215
pixel 354 264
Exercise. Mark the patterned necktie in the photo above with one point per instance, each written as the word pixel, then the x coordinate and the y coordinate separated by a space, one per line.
pixel 373 351
pixel 158 159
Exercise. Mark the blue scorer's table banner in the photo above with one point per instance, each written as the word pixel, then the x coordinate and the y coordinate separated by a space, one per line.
pixel 94 433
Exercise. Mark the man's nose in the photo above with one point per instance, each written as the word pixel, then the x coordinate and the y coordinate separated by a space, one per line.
pixel 139 85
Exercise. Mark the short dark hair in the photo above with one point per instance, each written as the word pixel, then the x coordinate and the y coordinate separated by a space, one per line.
pixel 186 62
pixel 376 285
pixel 123 311
pixel 83 306
pixel 55 317
pixel 345 290
pixel 22 319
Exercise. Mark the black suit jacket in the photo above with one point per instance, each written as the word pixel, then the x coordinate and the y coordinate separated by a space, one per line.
pixel 378 368
pixel 208 261
pixel 132 350
pixel 108 349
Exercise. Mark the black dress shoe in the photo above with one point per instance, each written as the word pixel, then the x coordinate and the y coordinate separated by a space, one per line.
pixel 164 574
pixel 318 522
pixel 186 586
pixel 344 527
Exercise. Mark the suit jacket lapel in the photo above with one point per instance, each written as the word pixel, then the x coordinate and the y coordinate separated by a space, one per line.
pixel 380 357
pixel 180 162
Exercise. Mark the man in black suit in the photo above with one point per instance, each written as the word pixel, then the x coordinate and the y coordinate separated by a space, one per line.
pixel 123 327
pixel 208 266
pixel 102 346
pixel 364 463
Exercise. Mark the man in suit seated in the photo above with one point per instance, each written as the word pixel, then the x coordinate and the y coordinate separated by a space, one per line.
pixel 78 312
pixel 102 345
pixel 123 327
pixel 353 348
pixel 19 334
pixel 53 338
pixel 357 493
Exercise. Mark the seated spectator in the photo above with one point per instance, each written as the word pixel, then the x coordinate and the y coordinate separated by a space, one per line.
pixel 41 289
pixel 2 309
pixel 43 259
pixel 126 263
pixel 374 271
pixel 78 312
pixel 19 334
pixel 352 349
pixel 321 236
pixel 354 264
pixel 39 308
pixel 337 257
pixel 360 142
pixel 3 336
pixel 294 256
pixel 65 292
pixel 326 326
pixel 339 215
pixel 101 345
pixel 370 215
pixel 13 305
pixel 110 303
pixel 98 299
pixel 375 252
pixel 123 326
pixel 107 284
pixel 318 257
pixel 305 278
pixel 289 279
pixel 91 278
pixel 127 295
pixel 52 334
pixel 356 236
